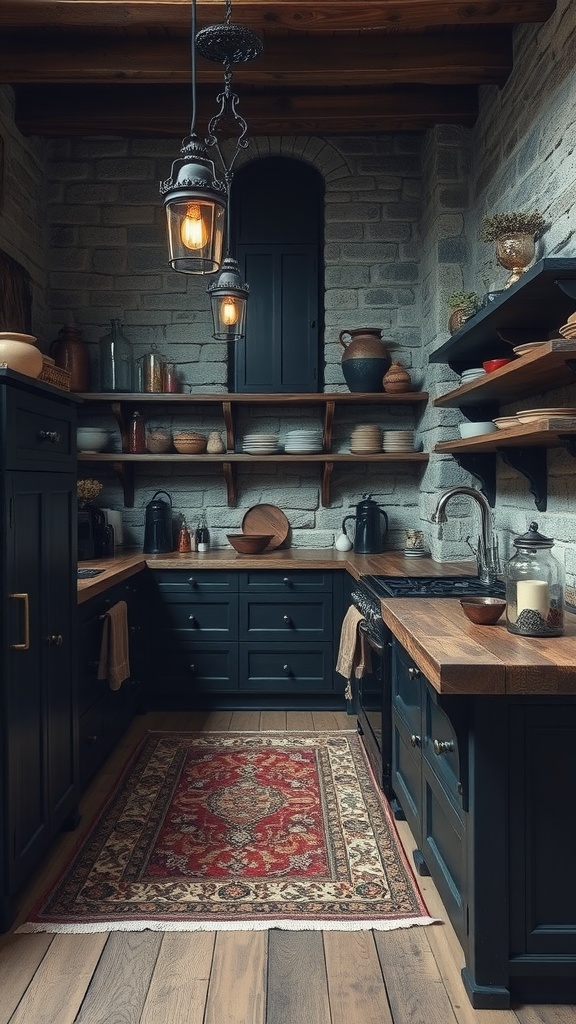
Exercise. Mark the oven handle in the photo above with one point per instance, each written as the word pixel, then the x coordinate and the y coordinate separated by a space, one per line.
pixel 363 627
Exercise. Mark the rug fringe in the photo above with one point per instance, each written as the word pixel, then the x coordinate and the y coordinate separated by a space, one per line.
pixel 226 926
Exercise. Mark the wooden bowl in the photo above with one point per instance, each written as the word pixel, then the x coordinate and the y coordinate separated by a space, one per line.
pixel 189 443
pixel 484 611
pixel 249 544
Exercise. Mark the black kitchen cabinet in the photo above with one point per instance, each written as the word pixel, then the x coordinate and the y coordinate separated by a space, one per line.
pixel 104 714
pixel 38 734
pixel 240 639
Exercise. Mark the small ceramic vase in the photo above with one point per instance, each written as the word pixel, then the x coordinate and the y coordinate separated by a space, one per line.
pixel 19 352
pixel 396 380
pixel 215 443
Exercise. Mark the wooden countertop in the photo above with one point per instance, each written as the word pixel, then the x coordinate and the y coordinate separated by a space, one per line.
pixel 458 657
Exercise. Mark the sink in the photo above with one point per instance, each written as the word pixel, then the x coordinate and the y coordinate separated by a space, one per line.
pixel 87 574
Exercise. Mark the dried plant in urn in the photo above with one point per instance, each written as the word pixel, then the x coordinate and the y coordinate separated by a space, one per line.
pixel 463 305
pixel 87 490
pixel 515 234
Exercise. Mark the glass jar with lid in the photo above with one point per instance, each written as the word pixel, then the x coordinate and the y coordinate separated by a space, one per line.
pixel 534 587
pixel 115 359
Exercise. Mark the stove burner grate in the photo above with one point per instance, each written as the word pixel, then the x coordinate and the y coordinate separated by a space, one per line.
pixel 430 586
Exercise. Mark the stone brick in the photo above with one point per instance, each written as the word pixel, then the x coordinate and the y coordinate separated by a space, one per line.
pixel 452 250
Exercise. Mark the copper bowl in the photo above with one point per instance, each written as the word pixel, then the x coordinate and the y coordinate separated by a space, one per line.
pixel 249 544
pixel 484 611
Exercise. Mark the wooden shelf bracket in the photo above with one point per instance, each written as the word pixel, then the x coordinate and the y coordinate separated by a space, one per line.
pixel 533 464
pixel 483 467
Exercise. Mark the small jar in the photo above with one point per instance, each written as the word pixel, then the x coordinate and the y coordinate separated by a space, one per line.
pixel 171 379
pixel 534 587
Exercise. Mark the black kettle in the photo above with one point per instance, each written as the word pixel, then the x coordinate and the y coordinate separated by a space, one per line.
pixel 371 527
pixel 158 536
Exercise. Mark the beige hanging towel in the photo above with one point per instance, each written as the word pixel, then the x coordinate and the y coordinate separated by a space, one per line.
pixel 354 655
pixel 114 662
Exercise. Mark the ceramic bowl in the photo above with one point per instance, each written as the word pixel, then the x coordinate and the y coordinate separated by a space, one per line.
pixel 484 611
pixel 186 442
pixel 158 442
pixel 249 544
pixel 494 364
pixel 91 439
pixel 473 429
pixel 505 421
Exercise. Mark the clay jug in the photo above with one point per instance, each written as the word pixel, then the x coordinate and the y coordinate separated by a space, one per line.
pixel 366 358
pixel 19 352
pixel 397 380
pixel 70 353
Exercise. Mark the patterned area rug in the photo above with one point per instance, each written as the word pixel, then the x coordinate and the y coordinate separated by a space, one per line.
pixel 239 830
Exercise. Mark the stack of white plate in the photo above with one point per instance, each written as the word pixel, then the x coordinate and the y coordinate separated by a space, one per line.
pixel 302 442
pixel 398 441
pixel 260 444
pixel 366 439
pixel 467 376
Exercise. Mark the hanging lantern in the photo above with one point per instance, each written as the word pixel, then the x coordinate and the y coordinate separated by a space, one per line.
pixel 228 298
pixel 195 203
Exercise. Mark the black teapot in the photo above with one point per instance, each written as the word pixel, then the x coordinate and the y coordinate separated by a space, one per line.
pixel 371 527
pixel 158 536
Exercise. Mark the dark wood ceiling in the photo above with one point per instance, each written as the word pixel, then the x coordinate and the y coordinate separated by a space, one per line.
pixel 329 67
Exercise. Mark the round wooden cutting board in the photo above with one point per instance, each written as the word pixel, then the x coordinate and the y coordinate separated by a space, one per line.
pixel 267 519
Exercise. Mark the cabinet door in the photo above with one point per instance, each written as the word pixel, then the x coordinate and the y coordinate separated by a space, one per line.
pixel 280 350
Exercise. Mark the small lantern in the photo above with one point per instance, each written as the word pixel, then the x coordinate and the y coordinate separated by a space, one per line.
pixel 228 298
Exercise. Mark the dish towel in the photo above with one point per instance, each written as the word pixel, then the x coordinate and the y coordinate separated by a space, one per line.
pixel 354 654
pixel 114 662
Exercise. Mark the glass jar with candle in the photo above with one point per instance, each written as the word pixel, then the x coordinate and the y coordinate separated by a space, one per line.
pixel 534 587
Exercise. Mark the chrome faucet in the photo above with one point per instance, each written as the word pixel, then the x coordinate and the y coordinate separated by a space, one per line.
pixel 486 552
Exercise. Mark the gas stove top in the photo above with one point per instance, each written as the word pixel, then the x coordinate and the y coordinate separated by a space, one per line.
pixel 430 586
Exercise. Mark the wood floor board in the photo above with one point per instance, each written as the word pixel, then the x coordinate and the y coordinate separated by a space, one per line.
pixel 118 990
pixel 415 988
pixel 237 990
pixel 547 1014
pixel 245 721
pixel 331 720
pixel 272 721
pixel 216 721
pixel 179 984
pixel 299 721
pixel 297 981
pixel 57 990
pixel 355 986
pixel 20 957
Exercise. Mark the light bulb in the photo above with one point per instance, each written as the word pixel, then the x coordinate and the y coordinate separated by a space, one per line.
pixel 193 230
pixel 229 310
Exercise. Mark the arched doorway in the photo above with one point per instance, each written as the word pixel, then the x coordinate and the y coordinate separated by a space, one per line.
pixel 278 209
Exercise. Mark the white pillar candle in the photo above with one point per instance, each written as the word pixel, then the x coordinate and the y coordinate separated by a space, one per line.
pixel 532 594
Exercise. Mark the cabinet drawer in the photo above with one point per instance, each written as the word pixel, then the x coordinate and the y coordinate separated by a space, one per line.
pixel 278 617
pixel 406 689
pixel 444 850
pixel 195 669
pixel 194 581
pixel 286 581
pixel 205 617
pixel 92 742
pixel 440 748
pixel 43 432
pixel 276 668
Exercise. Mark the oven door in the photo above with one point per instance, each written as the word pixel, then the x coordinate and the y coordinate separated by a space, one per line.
pixel 375 709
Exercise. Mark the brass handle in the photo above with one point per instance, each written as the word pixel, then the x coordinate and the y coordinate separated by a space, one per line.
pixel 55 640
pixel 415 740
pixel 26 645
pixel 413 673
pixel 443 747
pixel 49 435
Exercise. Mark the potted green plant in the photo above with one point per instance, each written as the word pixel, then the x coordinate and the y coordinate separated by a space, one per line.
pixel 463 305
pixel 514 233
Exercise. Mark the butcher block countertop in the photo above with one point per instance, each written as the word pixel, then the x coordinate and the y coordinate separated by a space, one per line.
pixel 456 656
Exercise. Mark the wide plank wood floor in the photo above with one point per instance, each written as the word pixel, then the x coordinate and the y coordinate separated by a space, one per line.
pixel 407 976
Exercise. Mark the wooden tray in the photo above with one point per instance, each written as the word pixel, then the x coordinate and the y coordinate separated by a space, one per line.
pixel 267 519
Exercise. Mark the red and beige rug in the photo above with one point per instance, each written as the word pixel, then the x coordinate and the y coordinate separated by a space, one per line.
pixel 239 830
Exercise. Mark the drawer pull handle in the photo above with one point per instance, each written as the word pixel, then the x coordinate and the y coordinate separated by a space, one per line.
pixel 192 582
pixel 25 645
pixel 287 620
pixel 415 740
pixel 287 670
pixel 193 669
pixel 49 435
pixel 55 640
pixel 443 747
pixel 192 620
pixel 92 739
pixel 413 673
pixel 287 582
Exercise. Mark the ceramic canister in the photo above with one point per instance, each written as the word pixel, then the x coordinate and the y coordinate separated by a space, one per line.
pixel 18 352
pixel 365 360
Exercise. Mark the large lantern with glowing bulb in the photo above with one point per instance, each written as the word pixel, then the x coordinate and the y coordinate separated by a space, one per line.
pixel 195 203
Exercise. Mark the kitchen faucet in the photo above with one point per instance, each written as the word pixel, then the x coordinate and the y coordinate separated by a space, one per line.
pixel 487 551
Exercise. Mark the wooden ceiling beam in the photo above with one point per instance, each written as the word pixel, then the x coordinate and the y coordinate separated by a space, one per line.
pixel 483 56
pixel 281 15
pixel 142 111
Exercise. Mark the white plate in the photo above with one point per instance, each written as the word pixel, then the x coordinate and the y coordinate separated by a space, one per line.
pixel 530 346
pixel 554 410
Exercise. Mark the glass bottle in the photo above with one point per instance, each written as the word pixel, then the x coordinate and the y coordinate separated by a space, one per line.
pixel 137 435
pixel 115 359
pixel 534 587
pixel 202 534
pixel 184 538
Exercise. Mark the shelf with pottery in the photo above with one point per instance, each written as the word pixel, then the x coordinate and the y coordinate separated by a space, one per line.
pixel 528 311
pixel 123 407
